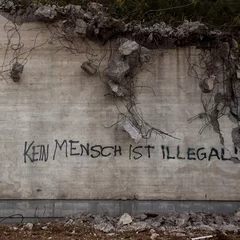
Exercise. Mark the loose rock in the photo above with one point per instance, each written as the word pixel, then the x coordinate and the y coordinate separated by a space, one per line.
pixel 45 13
pixel 125 219
pixel 29 226
pixel 128 47
pixel 89 67
pixel 16 72
pixel 132 130
pixel 154 236
pixel 81 27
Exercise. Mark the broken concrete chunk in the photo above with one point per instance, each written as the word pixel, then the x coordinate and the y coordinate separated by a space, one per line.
pixel 29 226
pixel 238 74
pixel 234 44
pixel 89 67
pixel 118 69
pixel 16 72
pixel 8 6
pixel 115 88
pixel 95 7
pixel 81 27
pixel 105 227
pixel 207 85
pixel 154 236
pixel 236 136
pixel 125 219
pixel 237 214
pixel 144 55
pixel 128 47
pixel 132 130
pixel 45 13
pixel 224 49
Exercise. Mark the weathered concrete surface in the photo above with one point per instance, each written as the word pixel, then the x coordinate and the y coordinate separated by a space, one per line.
pixel 31 209
pixel 56 100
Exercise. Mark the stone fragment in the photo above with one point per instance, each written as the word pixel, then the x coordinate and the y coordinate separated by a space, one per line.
pixel 207 85
pixel 237 214
pixel 77 11
pixel 234 44
pixel 111 234
pixel 143 217
pixel 144 55
pixel 154 236
pixel 98 219
pixel 45 13
pixel 44 227
pixel 179 234
pixel 16 72
pixel 125 219
pixel 238 74
pixel 128 47
pixel 189 28
pixel 224 50
pixel 219 220
pixel 115 88
pixel 182 220
pixel 29 226
pixel 206 228
pixel 95 7
pixel 81 27
pixel 132 130
pixel 89 67
pixel 8 6
pixel 236 136
pixel 152 231
pixel 230 228
pixel 104 227
pixel 138 226
pixel 118 69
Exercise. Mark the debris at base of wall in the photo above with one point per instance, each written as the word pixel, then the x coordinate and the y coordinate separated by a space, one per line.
pixel 125 219
pixel 105 227
pixel 29 226
pixel 16 72
pixel 89 67
pixel 203 237
pixel 132 130
pixel 237 214
pixel 154 236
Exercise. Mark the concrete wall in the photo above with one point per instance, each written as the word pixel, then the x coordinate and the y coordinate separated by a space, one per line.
pixel 56 101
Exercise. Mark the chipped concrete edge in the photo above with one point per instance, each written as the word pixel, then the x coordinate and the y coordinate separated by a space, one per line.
pixel 33 210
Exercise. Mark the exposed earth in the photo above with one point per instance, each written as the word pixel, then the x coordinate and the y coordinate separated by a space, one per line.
pixel 57 231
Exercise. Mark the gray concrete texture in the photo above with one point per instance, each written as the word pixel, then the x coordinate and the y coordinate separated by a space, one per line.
pixel 56 100
pixel 31 210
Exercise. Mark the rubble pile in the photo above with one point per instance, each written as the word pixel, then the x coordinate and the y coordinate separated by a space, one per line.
pixel 175 224
pixel 95 23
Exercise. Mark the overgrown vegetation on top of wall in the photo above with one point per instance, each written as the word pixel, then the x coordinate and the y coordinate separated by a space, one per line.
pixel 220 13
